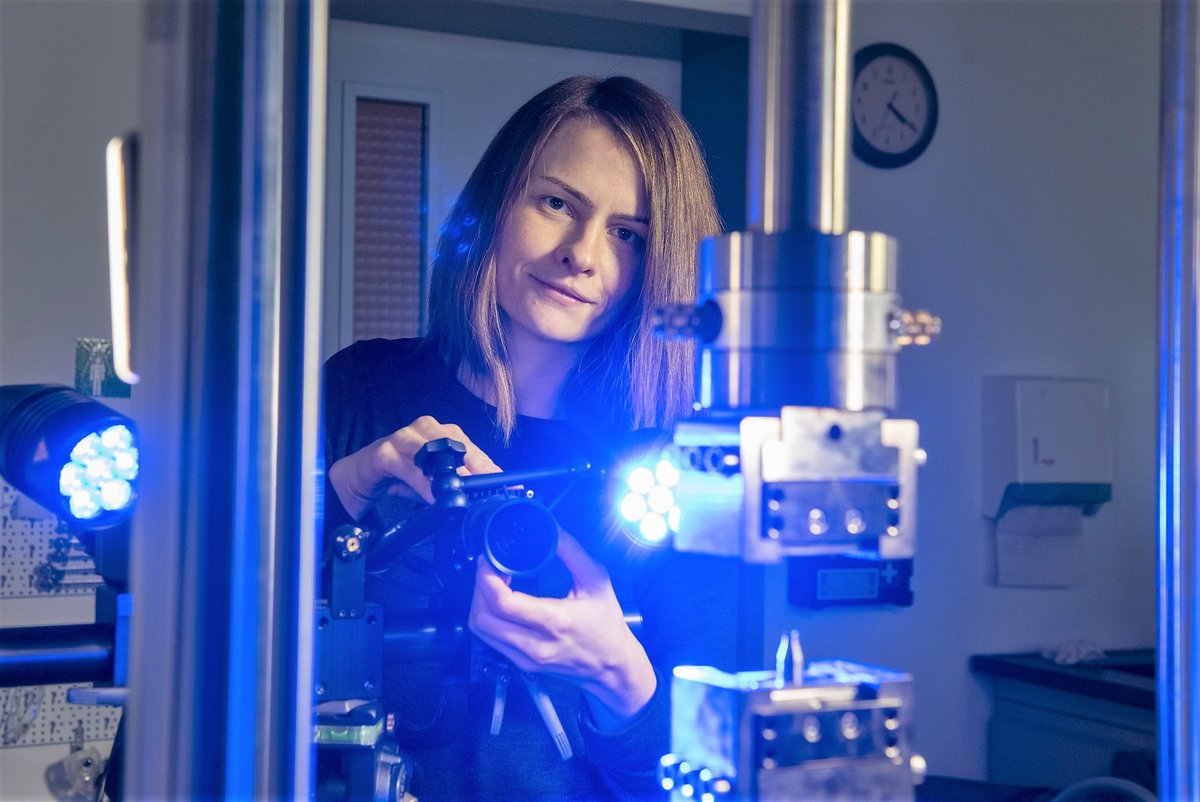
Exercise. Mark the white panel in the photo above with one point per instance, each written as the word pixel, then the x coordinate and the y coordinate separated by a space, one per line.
pixel 1044 431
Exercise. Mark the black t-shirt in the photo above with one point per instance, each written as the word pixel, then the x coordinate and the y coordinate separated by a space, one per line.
pixel 374 388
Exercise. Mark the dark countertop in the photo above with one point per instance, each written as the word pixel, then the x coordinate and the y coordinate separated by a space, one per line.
pixel 1124 676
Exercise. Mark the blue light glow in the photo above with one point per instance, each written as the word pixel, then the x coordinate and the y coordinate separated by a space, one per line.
pixel 666 473
pixel 98 468
pixel 84 503
pixel 640 480
pixel 117 438
pixel 633 507
pixel 649 504
pixel 125 464
pixel 673 516
pixel 100 474
pixel 70 479
pixel 660 499
pixel 653 528
pixel 115 494
pixel 86 448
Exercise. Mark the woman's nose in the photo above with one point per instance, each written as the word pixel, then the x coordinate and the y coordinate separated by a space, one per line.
pixel 580 250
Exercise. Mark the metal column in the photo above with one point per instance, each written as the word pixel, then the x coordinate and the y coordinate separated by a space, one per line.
pixel 799 122
pixel 222 566
pixel 1179 415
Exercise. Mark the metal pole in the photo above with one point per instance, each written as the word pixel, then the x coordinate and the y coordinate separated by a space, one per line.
pixel 285 707
pixel 50 655
pixel 799 120
pixel 1178 514
pixel 223 555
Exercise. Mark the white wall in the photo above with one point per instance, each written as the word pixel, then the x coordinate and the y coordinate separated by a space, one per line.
pixel 68 82
pixel 1030 226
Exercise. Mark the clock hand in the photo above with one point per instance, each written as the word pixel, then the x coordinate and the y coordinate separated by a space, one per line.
pixel 901 117
pixel 883 119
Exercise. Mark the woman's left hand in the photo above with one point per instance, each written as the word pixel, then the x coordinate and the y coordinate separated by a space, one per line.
pixel 582 637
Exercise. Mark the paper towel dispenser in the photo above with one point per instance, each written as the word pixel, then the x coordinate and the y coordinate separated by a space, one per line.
pixel 1046 442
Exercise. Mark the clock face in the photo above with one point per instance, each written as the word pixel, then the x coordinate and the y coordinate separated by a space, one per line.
pixel 893 105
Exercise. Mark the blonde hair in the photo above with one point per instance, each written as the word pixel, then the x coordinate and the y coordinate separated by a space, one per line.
pixel 643 380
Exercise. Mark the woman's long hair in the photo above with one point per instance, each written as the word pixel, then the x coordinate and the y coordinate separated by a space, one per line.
pixel 640 379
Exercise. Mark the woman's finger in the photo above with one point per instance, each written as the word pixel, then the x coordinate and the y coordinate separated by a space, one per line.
pixel 589 575
pixel 504 603
pixel 398 459
pixel 427 428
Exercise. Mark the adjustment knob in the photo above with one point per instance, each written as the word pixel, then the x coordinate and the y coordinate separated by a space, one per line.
pixel 440 460
pixel 349 542
pixel 438 455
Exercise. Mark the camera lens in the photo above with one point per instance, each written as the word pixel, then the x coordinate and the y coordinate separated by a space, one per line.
pixel 516 535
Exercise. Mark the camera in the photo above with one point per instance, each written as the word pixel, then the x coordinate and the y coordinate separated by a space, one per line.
pixel 488 515
pixel 515 533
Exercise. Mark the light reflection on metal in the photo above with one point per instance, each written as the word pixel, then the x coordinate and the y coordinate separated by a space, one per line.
pixel 855 393
pixel 1179 414
pixel 120 174
pixel 799 50
pixel 835 111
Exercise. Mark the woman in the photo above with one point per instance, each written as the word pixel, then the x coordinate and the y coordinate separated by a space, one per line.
pixel 580 220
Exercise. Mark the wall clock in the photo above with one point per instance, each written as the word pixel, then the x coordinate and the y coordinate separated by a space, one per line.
pixel 893 104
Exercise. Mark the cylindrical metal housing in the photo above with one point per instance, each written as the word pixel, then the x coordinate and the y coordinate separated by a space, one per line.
pixel 807 319
pixel 799 119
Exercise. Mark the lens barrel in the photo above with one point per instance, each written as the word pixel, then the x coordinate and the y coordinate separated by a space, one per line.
pixel 518 536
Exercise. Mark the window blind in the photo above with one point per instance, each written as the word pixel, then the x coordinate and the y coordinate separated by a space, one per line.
pixel 389 218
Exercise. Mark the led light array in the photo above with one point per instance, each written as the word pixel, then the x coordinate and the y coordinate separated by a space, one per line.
pixel 648 503
pixel 99 478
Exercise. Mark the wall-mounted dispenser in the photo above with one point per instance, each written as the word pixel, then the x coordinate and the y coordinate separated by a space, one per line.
pixel 1047 463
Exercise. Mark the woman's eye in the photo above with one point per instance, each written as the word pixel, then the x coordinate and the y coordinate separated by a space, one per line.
pixel 555 203
pixel 627 235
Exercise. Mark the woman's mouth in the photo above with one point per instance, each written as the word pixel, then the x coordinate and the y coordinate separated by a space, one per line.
pixel 561 292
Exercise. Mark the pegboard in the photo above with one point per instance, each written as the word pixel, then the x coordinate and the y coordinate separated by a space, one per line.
pixel 41 715
pixel 39 558
pixel 38 555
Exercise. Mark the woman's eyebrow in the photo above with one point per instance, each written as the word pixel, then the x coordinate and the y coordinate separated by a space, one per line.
pixel 586 201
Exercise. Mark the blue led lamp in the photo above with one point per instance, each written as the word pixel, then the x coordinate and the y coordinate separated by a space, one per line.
pixel 646 500
pixel 70 453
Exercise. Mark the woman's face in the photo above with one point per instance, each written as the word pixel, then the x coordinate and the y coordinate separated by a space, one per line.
pixel 570 253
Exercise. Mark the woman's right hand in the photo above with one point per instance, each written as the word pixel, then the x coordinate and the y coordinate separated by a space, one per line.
pixel 386 466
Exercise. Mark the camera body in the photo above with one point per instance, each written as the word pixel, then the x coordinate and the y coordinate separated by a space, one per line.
pixel 516 534
pixel 488 515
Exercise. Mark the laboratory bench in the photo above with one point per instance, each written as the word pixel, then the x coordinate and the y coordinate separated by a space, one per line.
pixel 1054 725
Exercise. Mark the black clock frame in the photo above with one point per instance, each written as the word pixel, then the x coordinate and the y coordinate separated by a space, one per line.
pixel 863 149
